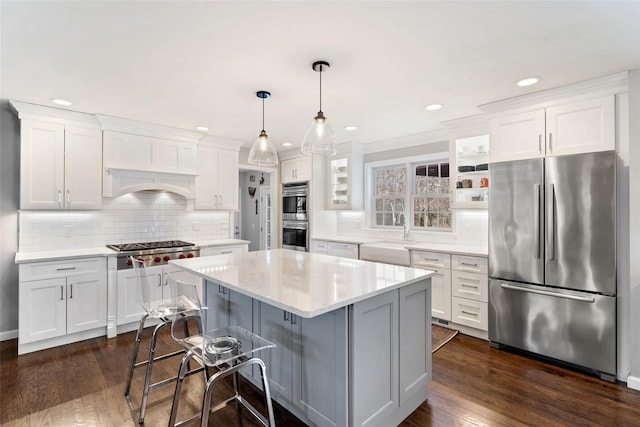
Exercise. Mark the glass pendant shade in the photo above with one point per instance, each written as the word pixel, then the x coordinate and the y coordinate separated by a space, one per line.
pixel 319 139
pixel 263 153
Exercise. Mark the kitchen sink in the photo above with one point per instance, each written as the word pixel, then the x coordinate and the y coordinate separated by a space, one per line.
pixel 390 252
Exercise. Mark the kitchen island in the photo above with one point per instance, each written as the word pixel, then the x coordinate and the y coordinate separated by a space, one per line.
pixel 353 337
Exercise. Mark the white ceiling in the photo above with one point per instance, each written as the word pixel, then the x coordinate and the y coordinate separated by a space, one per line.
pixel 187 63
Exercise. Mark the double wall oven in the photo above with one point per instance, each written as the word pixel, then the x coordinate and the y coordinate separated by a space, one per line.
pixel 295 221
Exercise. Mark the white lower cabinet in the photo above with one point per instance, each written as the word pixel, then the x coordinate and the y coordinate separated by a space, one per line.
pixel 459 288
pixel 308 368
pixel 344 250
pixel 60 301
pixel 470 291
pixel 440 264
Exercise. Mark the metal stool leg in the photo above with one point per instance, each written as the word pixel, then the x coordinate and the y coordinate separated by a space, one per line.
pixel 179 380
pixel 147 378
pixel 267 392
pixel 134 355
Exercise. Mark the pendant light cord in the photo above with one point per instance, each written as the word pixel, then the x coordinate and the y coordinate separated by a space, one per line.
pixel 321 88
pixel 262 114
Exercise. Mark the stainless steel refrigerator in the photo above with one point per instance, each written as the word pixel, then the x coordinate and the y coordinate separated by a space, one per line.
pixel 552 258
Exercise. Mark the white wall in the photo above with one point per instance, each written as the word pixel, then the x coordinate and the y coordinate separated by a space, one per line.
pixel 634 226
pixel 9 198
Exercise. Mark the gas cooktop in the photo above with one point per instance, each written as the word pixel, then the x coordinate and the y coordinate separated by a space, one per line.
pixel 142 246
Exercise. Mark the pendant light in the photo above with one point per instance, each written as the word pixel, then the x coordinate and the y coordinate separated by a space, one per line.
pixel 319 139
pixel 263 153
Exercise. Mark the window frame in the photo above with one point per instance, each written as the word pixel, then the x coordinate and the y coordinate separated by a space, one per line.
pixel 409 163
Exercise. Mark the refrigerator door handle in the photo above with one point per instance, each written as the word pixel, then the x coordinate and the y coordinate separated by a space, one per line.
pixel 536 221
pixel 551 243
pixel 549 293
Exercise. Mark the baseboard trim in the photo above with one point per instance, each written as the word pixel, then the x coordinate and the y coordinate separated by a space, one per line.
pixel 8 335
pixel 633 382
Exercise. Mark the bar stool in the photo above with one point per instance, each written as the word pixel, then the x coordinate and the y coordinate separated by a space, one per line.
pixel 154 308
pixel 227 349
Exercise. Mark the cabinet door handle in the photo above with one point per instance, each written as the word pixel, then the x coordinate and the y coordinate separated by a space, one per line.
pixel 550 142
pixel 70 290
pixel 68 198
pixel 540 143
pixel 61 292
pixel 220 203
pixel 286 316
pixel 65 268
pixel 59 198
pixel 294 319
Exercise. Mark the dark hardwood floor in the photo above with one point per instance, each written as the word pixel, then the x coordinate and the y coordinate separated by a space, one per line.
pixel 473 384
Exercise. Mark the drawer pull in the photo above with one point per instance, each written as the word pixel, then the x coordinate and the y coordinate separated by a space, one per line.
pixel 469 286
pixel 431 259
pixel 469 313
pixel 65 268
pixel 469 264
pixel 226 252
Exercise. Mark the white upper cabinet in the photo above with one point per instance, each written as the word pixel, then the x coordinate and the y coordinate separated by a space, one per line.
pixel 217 180
pixel 296 170
pixel 569 128
pixel 60 166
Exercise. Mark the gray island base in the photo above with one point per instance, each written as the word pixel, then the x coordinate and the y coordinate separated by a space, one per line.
pixel 353 337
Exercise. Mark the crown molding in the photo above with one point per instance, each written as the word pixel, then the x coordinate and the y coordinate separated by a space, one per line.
pixel 611 84
pixel 133 127
pixel 25 110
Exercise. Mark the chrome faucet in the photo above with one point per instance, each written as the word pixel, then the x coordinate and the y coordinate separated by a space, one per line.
pixel 405 224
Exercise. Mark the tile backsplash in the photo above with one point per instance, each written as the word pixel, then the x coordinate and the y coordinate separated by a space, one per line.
pixel 134 217
pixel 471 228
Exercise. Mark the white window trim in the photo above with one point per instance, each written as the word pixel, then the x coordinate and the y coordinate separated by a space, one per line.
pixel 369 206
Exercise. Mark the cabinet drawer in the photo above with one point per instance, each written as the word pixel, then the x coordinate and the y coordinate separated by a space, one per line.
pixel 319 246
pixel 222 250
pixel 62 268
pixel 473 264
pixel 430 260
pixel 345 250
pixel 469 313
pixel 469 285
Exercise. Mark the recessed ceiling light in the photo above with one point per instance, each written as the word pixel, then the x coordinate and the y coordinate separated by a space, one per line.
pixel 286 144
pixel 61 101
pixel 350 127
pixel 528 81
pixel 202 128
pixel 433 107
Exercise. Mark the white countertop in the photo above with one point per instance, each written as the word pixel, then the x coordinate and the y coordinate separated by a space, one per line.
pixel 302 283
pixel 220 242
pixel 414 245
pixel 346 239
pixel 23 257
pixel 449 248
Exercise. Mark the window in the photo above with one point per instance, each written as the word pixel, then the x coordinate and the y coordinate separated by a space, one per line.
pixel 419 190
pixel 430 198
pixel 390 195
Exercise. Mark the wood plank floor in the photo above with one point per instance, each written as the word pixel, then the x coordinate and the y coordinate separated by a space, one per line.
pixel 473 384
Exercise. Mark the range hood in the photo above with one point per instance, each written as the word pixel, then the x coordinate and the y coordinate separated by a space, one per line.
pixel 138 157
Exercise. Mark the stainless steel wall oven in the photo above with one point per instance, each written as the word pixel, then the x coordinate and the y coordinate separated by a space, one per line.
pixel 295 235
pixel 294 202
